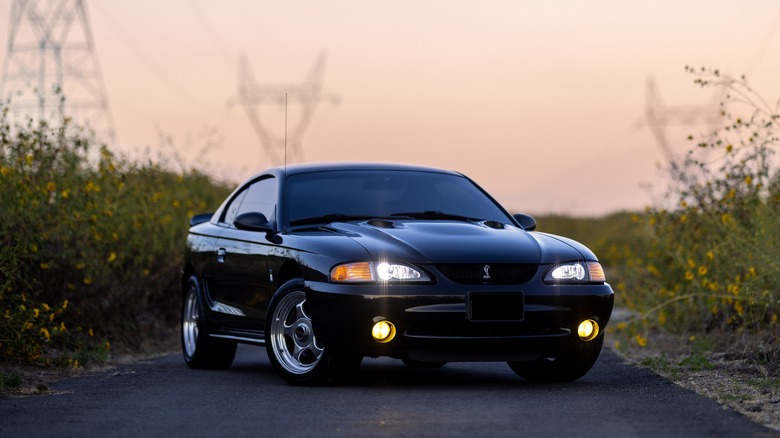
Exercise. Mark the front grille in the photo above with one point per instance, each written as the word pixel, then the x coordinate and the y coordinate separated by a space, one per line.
pixel 487 273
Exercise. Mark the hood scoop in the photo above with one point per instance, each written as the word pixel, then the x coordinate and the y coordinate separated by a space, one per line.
pixel 381 223
pixel 494 224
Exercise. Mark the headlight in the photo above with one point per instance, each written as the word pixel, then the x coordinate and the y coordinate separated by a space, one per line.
pixel 360 272
pixel 576 272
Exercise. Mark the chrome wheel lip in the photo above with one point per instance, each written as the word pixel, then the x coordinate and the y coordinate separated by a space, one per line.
pixel 292 335
pixel 189 323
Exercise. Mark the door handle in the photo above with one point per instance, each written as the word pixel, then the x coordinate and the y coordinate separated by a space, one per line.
pixel 221 255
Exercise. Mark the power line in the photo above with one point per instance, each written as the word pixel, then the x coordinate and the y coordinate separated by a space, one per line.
pixel 770 34
pixel 210 31
pixel 164 78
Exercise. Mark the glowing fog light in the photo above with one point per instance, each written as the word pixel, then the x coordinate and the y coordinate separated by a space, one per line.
pixel 588 330
pixel 383 331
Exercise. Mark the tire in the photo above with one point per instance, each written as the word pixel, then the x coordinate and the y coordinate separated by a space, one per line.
pixel 566 367
pixel 292 347
pixel 199 350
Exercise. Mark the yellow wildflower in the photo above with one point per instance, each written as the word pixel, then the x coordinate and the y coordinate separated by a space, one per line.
pixel 111 257
pixel 51 186
pixel 642 342
pixel 689 275
pixel 45 333
pixel 710 255
pixel 702 270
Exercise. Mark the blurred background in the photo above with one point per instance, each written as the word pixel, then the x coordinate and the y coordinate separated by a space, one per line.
pixel 561 107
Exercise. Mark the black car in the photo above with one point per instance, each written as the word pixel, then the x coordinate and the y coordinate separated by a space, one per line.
pixel 326 264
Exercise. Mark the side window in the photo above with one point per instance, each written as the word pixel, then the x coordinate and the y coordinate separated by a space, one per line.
pixel 232 210
pixel 260 198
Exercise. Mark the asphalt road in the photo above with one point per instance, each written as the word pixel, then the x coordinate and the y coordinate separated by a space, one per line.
pixel 162 397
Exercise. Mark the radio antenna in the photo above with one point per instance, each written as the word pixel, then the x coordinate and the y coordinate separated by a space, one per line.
pixel 285 132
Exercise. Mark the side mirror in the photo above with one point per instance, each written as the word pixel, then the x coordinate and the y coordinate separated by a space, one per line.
pixel 527 222
pixel 253 222
pixel 200 218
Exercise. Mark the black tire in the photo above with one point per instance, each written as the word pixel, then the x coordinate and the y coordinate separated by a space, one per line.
pixel 199 350
pixel 292 346
pixel 566 367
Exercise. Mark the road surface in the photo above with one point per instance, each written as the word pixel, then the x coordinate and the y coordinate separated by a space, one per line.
pixel 162 397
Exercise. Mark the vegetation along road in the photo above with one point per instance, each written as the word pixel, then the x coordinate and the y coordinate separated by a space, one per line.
pixel 162 397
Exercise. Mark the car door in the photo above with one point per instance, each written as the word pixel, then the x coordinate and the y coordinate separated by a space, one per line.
pixel 242 280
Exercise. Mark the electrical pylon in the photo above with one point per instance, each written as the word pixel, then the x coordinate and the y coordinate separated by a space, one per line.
pixel 51 70
pixel 308 94
pixel 659 116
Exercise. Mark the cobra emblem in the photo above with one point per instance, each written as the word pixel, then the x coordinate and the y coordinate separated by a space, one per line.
pixel 487 272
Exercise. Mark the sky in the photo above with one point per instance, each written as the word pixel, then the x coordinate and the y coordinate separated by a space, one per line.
pixel 542 103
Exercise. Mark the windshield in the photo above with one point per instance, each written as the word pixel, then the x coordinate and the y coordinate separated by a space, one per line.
pixel 385 194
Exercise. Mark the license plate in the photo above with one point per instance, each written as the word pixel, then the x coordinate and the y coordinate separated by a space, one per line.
pixel 490 306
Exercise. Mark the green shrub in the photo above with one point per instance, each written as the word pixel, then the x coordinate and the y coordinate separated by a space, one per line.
pixel 711 265
pixel 90 243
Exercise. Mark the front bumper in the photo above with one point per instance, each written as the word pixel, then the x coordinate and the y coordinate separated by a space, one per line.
pixel 436 323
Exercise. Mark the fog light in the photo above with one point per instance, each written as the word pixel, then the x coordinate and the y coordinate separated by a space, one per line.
pixel 383 331
pixel 588 330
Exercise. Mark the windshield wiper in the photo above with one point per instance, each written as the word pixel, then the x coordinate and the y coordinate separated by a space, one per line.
pixel 431 214
pixel 328 218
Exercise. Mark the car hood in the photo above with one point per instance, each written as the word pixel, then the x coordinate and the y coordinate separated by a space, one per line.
pixel 458 242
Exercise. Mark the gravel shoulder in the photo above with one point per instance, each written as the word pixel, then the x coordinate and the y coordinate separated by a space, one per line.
pixel 736 384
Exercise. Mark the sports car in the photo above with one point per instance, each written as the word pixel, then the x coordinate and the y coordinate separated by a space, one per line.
pixel 325 264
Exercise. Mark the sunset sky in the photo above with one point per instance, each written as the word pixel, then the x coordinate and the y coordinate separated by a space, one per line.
pixel 541 102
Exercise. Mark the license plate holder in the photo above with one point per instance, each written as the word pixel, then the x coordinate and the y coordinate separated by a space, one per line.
pixel 496 306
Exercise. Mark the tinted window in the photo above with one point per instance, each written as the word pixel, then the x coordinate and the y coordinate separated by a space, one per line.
pixel 259 197
pixel 232 209
pixel 384 193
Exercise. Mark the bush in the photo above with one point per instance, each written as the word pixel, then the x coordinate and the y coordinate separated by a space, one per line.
pixel 711 265
pixel 91 243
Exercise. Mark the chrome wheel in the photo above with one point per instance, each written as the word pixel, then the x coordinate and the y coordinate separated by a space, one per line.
pixel 189 322
pixel 292 335
pixel 198 348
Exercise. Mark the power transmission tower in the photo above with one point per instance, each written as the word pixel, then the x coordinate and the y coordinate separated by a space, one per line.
pixel 659 116
pixel 51 70
pixel 307 94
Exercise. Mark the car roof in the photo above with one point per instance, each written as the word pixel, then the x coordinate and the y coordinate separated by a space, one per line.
pixel 293 169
